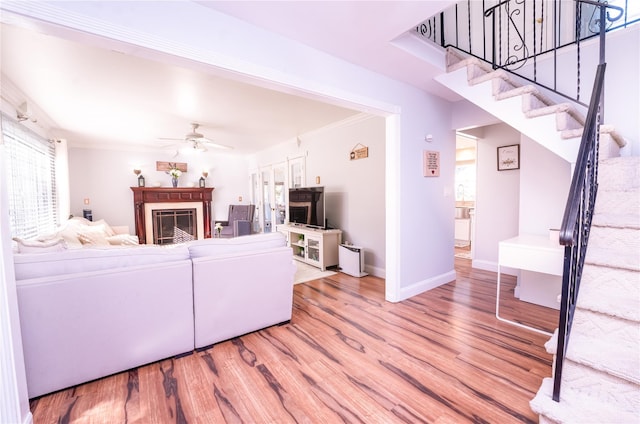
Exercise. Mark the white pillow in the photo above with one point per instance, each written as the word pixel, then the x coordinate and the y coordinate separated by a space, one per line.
pixel 92 235
pixel 106 227
pixel 123 240
pixel 36 246
pixel 70 236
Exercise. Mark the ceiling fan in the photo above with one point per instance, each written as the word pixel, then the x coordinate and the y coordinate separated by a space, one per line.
pixel 196 140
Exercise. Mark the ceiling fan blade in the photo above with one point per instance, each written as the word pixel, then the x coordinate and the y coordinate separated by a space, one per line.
pixel 196 140
pixel 214 144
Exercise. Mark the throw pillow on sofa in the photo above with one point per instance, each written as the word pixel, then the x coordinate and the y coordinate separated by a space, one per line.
pixel 93 235
pixel 123 240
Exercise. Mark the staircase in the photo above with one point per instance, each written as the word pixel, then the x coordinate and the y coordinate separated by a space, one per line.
pixel 555 125
pixel 601 375
pixel 601 372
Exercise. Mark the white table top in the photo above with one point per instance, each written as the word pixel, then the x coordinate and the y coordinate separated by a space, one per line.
pixel 533 253
pixel 533 241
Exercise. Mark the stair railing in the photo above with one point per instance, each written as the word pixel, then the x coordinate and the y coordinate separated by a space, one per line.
pixel 538 40
pixel 576 223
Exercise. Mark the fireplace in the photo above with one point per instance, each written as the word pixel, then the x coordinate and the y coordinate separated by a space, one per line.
pixel 188 207
pixel 165 222
pixel 174 225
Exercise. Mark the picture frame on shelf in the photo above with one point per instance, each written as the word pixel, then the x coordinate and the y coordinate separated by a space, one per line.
pixel 509 157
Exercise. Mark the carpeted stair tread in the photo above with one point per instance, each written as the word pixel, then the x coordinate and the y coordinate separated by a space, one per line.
pixel 612 258
pixel 617 202
pixel 548 110
pixel 567 118
pixel 605 130
pixel 623 240
pixel 617 220
pixel 588 383
pixel 551 345
pixel 478 77
pixel 620 173
pixel 612 353
pixel 453 58
pixel 619 359
pixel 611 291
pixel 573 133
pixel 617 137
pixel 573 408
pixel 517 91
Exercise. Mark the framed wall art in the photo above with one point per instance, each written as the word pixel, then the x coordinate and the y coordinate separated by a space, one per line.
pixel 509 157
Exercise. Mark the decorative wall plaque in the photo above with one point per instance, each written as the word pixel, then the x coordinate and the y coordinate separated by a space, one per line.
pixel 431 163
pixel 359 151
pixel 165 166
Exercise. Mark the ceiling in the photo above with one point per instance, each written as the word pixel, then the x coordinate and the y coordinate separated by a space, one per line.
pixel 100 97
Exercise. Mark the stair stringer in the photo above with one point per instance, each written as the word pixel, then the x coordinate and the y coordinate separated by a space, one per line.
pixel 542 129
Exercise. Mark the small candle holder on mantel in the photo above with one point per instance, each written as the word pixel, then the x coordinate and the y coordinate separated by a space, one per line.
pixel 138 172
pixel 202 181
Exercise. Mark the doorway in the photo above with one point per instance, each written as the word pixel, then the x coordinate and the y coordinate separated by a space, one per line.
pixel 465 193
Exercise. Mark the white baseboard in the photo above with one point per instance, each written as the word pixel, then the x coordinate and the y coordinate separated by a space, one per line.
pixel 484 265
pixel 375 271
pixel 426 285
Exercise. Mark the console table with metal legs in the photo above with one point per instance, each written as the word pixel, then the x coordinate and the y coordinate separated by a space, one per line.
pixel 540 261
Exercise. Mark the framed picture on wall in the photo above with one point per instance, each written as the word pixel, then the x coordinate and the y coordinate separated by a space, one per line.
pixel 509 157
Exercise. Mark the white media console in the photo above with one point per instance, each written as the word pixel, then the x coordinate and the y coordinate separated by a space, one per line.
pixel 315 247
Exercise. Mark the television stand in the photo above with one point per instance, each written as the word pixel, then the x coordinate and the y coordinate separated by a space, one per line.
pixel 313 246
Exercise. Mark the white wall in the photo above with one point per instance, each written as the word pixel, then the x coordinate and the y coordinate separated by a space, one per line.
pixel 530 200
pixel 497 197
pixel 545 179
pixel 355 190
pixel 465 114
pixel 105 178
pixel 622 91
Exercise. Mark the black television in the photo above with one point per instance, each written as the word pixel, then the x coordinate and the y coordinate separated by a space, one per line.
pixel 306 206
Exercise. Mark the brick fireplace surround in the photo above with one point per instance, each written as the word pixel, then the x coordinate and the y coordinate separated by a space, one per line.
pixel 143 195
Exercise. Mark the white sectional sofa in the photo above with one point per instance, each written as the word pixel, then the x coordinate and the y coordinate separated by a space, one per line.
pixel 89 313
pixel 240 285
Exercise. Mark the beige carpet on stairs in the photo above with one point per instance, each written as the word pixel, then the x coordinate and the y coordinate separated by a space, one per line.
pixel 306 273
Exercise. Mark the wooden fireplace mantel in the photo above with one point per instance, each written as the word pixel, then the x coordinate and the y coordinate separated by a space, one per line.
pixel 142 195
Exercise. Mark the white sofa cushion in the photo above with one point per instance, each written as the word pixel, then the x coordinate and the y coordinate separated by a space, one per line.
pixel 34 265
pixel 223 246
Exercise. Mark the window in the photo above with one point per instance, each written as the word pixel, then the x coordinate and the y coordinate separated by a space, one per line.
pixel 31 182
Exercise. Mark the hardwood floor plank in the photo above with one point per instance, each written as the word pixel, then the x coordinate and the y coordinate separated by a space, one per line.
pixel 346 356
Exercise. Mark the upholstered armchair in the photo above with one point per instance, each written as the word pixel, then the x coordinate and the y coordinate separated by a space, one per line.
pixel 239 221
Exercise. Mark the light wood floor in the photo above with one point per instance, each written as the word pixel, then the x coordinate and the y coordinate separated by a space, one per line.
pixel 346 356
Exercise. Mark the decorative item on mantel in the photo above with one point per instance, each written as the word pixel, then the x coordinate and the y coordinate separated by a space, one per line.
pixel 138 172
pixel 174 169
pixel 202 181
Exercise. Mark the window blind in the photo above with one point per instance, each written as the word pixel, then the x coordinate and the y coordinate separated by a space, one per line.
pixel 31 182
